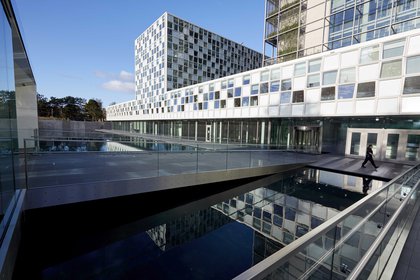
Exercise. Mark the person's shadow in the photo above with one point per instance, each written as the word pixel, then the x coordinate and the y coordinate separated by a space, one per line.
pixel 366 184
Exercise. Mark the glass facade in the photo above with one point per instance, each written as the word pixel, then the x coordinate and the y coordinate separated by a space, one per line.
pixel 8 126
pixel 323 134
pixel 295 29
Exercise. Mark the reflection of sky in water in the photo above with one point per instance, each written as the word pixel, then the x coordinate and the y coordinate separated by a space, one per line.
pixel 223 240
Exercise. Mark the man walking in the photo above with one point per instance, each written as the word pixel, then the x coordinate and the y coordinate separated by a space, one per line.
pixel 369 157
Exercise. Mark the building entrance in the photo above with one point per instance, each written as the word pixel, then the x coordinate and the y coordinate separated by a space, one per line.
pixel 306 138
pixel 387 144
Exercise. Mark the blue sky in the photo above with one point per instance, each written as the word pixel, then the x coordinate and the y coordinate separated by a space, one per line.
pixel 85 48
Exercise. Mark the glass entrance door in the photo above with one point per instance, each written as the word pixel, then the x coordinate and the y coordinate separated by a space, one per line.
pixel 387 144
pixel 306 138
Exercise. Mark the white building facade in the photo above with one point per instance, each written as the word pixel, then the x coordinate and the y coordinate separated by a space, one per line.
pixel 332 102
pixel 173 53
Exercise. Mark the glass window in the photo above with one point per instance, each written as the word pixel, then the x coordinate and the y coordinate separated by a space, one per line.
pixel 264 88
pixel 230 83
pixel 286 84
pixel 246 80
pixel 329 78
pixel 217 95
pixel 254 100
pixel 313 81
pixel 275 74
pixel 300 69
pixel 412 85
pixel 274 86
pixel 355 143
pixel 392 49
pixel 298 96
pixel 264 76
pixel 205 97
pixel 238 91
pixel 366 90
pixel 230 93
pixel 345 91
pixel 205 105
pixel 285 97
pixel 245 101
pixel 200 89
pixel 237 102
pixel 254 89
pixel 222 103
pixel 413 65
pixel 391 68
pixel 216 104
pixel 412 149
pixel 224 84
pixel 392 146
pixel 211 95
pixel 369 54
pixel 327 93
pixel 314 65
pixel 211 87
pixel 347 75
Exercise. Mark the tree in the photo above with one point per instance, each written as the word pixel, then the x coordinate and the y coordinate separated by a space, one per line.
pixel 93 109
pixel 43 106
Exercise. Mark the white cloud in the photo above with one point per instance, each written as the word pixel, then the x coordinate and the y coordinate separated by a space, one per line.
pixel 126 76
pixel 123 82
pixel 116 85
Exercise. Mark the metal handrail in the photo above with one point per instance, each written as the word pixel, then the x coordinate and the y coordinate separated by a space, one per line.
pixel 268 265
pixel 362 263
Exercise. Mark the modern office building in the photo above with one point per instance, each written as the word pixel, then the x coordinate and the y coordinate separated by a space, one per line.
pixel 173 53
pixel 295 29
pixel 332 102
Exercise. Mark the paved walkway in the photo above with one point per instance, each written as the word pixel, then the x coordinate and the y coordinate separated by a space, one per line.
pixel 352 166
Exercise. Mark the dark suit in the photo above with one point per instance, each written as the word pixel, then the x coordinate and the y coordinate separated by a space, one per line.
pixel 369 157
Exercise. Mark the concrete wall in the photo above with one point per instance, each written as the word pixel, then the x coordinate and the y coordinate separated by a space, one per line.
pixel 26 113
pixel 66 128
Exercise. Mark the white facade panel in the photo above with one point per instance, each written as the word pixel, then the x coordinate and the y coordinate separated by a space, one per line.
pixel 328 108
pixel 285 110
pixel 414 45
pixel 297 109
pixel 368 72
pixel 331 62
pixel 313 95
pixel 345 108
pixel 389 88
pixel 349 59
pixel 365 107
pixel 287 72
pixel 299 83
pixel 387 106
pixel 410 104
pixel 312 109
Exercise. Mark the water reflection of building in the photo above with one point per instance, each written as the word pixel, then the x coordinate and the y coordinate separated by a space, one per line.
pixel 278 217
pixel 187 228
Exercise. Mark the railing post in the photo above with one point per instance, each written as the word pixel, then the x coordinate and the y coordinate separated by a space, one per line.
pixel 157 156
pixel 26 163
pixel 196 163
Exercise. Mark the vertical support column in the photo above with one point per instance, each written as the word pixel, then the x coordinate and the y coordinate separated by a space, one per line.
pixel 220 132
pixel 195 130
pixel 262 132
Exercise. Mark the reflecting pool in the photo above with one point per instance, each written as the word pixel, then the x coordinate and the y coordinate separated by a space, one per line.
pixel 216 236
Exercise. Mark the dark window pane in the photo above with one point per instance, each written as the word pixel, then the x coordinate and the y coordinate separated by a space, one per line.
pixel 328 93
pixel 298 96
pixel 412 85
pixel 366 90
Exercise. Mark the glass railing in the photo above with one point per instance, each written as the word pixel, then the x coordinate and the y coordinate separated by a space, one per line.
pixel 52 162
pixel 355 244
